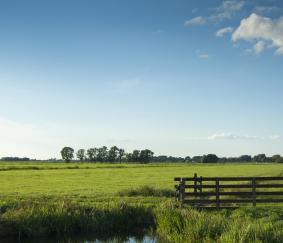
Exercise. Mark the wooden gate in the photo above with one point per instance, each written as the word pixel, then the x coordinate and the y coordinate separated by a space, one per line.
pixel 228 191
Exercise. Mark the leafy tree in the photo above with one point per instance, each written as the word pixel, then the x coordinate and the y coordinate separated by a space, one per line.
pixel 91 154
pixel 277 158
pixel 102 154
pixel 197 159
pixel 260 158
pixel 67 154
pixel 245 158
pixel 113 154
pixel 188 159
pixel 134 156
pixel 129 157
pixel 145 156
pixel 81 154
pixel 121 153
pixel 210 158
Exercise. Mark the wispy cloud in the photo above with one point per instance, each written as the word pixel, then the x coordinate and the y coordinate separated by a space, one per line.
pixel 124 86
pixel 223 31
pixel 226 10
pixel 203 56
pixel 275 137
pixel 195 21
pixel 266 9
pixel 157 32
pixel 231 136
pixel 262 31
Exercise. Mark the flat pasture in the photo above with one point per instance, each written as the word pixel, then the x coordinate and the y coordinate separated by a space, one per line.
pixel 95 182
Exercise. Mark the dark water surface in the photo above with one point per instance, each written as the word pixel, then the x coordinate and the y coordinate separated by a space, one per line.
pixel 86 239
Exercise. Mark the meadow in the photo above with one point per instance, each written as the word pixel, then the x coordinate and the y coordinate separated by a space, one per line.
pixel 45 198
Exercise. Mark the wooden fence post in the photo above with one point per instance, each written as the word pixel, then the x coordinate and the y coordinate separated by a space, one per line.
pixel 254 191
pixel 195 182
pixel 182 188
pixel 200 184
pixel 217 193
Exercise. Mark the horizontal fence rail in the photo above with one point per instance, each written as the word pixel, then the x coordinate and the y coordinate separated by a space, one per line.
pixel 215 192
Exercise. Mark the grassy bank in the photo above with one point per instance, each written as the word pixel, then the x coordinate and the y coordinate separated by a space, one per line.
pixel 29 219
pixel 173 224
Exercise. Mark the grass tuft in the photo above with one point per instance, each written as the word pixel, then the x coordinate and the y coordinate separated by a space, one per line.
pixel 146 191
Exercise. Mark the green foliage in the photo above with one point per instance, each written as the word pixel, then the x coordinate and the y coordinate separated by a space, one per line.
pixel 65 217
pixel 81 154
pixel 113 154
pixel 91 154
pixel 146 191
pixel 210 158
pixel 188 225
pixel 67 154
pixel 260 158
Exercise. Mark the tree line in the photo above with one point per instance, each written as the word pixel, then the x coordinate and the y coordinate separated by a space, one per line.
pixel 14 159
pixel 115 154
pixel 103 154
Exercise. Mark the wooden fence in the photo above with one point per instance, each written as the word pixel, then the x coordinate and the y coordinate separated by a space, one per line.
pixel 215 192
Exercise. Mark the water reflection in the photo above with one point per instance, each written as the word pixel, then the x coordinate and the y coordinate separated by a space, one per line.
pixel 81 239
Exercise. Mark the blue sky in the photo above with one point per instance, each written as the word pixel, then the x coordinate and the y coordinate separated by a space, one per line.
pixel 178 77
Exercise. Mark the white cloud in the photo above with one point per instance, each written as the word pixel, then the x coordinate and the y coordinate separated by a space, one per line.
pixel 203 56
pixel 195 21
pixel 261 30
pixel 223 31
pixel 157 32
pixel 266 9
pixel 226 10
pixel 279 51
pixel 275 137
pixel 230 136
pixel 259 47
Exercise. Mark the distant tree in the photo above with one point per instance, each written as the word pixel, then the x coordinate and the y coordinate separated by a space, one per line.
pixel 121 153
pixel 245 158
pixel 81 154
pixel 91 154
pixel 260 158
pixel 134 156
pixel 210 158
pixel 188 159
pixel 113 154
pixel 277 158
pixel 197 159
pixel 102 154
pixel 222 160
pixel 67 153
pixel 15 159
pixel 160 158
pixel 145 156
pixel 129 157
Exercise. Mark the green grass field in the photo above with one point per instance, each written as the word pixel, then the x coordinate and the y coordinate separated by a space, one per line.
pixel 101 181
pixel 41 199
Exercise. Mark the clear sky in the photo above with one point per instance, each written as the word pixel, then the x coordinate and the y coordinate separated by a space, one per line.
pixel 180 77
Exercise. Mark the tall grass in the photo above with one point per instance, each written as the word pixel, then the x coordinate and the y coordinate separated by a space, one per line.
pixel 172 223
pixel 239 226
pixel 146 191
pixel 63 218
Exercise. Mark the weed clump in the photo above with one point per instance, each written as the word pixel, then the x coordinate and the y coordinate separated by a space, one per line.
pixel 146 191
